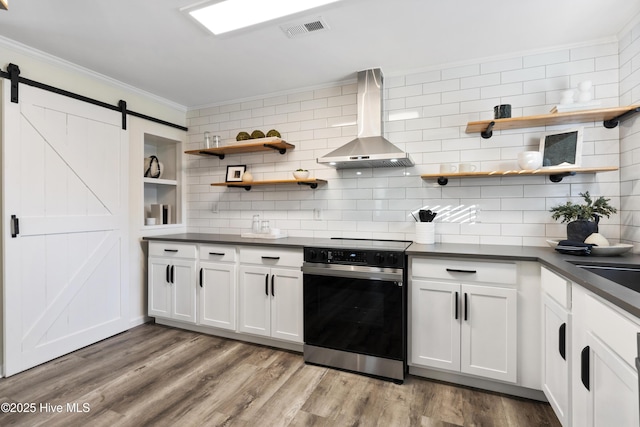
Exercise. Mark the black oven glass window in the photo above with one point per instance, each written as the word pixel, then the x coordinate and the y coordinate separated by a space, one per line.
pixel 357 315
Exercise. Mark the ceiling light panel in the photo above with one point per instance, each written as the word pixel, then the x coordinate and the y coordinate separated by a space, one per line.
pixel 232 15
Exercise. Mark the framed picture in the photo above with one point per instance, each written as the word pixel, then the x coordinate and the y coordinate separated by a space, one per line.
pixel 561 148
pixel 234 173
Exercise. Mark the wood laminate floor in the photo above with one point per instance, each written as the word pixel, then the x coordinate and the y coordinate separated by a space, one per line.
pixel 153 375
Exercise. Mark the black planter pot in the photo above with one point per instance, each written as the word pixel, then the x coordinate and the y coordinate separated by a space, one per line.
pixel 580 229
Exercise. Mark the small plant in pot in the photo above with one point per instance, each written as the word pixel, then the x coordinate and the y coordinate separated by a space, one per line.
pixel 301 174
pixel 582 219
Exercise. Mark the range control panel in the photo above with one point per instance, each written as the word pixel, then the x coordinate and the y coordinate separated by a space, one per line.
pixel 375 258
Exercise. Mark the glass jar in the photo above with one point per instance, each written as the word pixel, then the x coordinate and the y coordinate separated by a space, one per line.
pixel 255 224
pixel 265 227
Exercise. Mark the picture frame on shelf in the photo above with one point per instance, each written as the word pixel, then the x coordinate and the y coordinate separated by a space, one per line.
pixel 235 172
pixel 562 148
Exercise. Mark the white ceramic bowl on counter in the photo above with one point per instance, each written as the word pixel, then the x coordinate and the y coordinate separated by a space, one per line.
pixel 530 160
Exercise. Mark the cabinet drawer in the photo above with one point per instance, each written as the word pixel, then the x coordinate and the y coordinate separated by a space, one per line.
pixel 217 253
pixel 172 250
pixel 556 286
pixel 465 271
pixel 270 256
pixel 613 328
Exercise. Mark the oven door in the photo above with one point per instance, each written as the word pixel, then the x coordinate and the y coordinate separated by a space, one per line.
pixel 355 309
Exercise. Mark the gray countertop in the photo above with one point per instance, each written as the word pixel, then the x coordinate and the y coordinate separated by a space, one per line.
pixel 611 291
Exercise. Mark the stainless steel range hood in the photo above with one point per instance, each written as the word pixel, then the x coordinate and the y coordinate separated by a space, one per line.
pixel 370 149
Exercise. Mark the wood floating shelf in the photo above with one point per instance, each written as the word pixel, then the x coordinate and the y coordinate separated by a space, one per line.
pixel 555 174
pixel 610 118
pixel 312 183
pixel 259 144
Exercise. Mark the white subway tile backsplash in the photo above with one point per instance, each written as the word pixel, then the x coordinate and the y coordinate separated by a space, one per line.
pixel 426 114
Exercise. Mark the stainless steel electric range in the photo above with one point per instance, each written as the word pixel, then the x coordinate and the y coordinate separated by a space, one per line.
pixel 355 306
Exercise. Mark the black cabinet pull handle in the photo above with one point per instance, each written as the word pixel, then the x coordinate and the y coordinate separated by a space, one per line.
pixel 584 367
pixel 201 277
pixel 457 270
pixel 266 284
pixel 216 253
pixel 562 341
pixel 271 257
pixel 171 250
pixel 466 307
pixel 273 286
pixel 456 303
pixel 168 274
pixel 15 226
pixel 173 273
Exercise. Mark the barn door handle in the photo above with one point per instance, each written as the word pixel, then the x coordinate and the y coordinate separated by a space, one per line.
pixel 562 341
pixel 584 367
pixel 15 226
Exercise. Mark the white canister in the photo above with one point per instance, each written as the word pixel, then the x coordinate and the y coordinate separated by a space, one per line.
pixel 425 233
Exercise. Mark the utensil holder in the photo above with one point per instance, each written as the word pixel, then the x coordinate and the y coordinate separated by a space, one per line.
pixel 425 233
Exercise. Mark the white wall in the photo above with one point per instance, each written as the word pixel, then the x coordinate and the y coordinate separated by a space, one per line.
pixel 630 137
pixel 378 202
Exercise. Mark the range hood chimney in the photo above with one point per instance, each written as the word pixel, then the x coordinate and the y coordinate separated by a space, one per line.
pixel 370 149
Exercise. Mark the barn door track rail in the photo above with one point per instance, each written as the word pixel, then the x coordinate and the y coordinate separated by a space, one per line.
pixel 13 74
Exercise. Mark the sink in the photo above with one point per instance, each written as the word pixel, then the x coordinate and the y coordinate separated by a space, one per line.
pixel 627 276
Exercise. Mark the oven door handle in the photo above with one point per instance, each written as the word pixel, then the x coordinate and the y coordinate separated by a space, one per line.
pixel 353 272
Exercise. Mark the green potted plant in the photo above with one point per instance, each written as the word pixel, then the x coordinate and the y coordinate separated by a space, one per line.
pixel 301 174
pixel 582 219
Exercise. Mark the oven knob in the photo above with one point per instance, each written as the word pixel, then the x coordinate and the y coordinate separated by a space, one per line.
pixel 311 255
pixel 393 259
pixel 323 256
pixel 379 258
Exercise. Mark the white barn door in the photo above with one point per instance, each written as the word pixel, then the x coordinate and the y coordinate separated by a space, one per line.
pixel 65 178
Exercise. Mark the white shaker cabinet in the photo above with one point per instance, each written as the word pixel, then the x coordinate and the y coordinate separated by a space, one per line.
pixel 605 381
pixel 217 284
pixel 556 343
pixel 172 281
pixel 270 292
pixel 464 318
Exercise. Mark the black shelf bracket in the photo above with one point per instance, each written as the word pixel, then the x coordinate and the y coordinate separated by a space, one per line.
pixel 612 123
pixel 488 132
pixel 220 156
pixel 558 177
pixel 313 185
pixel 443 180
pixel 273 147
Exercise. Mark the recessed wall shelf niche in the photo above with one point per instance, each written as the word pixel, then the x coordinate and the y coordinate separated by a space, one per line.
pixel 610 118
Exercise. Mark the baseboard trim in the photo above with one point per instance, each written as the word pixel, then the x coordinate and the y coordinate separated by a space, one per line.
pixel 479 383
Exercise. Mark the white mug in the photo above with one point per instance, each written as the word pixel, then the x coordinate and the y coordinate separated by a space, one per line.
pixel 467 167
pixel 447 168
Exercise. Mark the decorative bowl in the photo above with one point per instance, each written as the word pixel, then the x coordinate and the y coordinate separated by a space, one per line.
pixel 530 160
pixel 301 174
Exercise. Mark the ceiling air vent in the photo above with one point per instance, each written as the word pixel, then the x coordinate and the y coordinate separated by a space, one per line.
pixel 297 30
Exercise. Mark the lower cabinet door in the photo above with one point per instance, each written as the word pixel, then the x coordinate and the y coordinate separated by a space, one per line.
pixel 183 290
pixel 556 331
pixel 435 324
pixel 612 386
pixel 159 287
pixel 255 300
pixel 217 299
pixel 489 332
pixel 286 304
